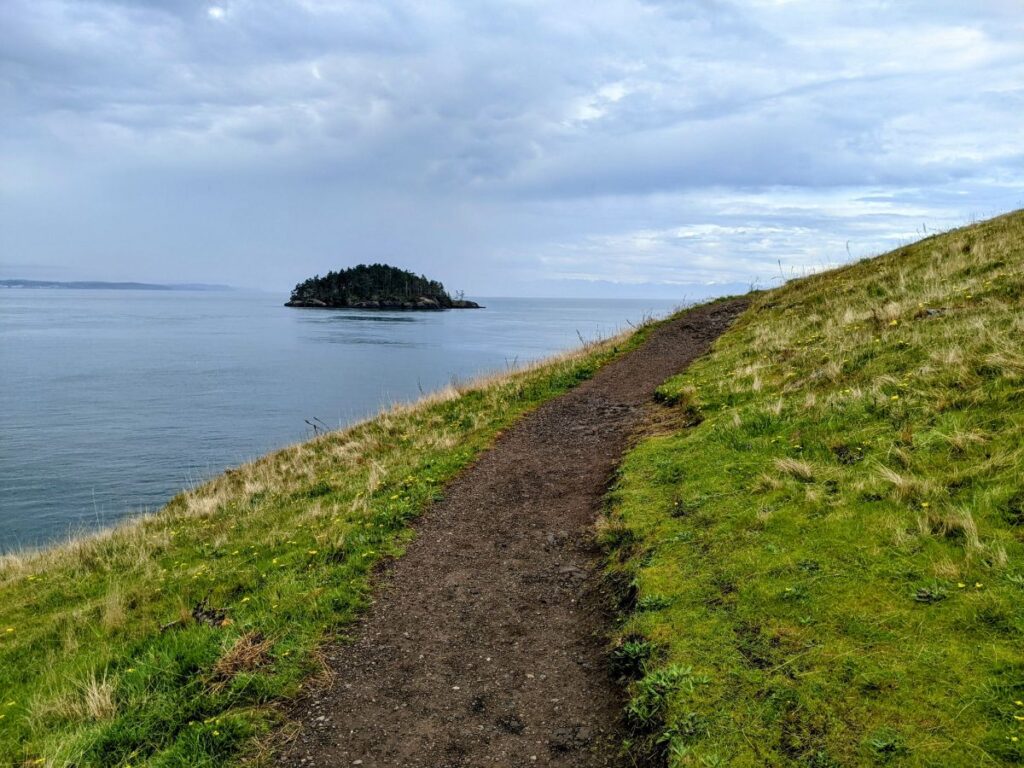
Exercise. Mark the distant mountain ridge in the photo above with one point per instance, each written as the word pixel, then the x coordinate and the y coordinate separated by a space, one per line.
pixel 374 286
pixel 96 285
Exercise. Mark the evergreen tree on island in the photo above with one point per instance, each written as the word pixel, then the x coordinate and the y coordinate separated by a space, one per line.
pixel 377 286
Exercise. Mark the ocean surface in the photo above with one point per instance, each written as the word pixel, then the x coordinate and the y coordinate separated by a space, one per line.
pixel 111 401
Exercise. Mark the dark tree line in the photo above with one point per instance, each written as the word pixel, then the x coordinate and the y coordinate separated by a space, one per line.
pixel 370 283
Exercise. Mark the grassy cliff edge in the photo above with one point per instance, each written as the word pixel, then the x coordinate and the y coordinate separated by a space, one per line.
pixel 826 567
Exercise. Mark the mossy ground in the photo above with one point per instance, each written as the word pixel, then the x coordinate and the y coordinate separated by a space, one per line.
pixel 167 641
pixel 827 568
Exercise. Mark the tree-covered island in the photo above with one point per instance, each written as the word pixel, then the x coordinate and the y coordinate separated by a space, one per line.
pixel 377 286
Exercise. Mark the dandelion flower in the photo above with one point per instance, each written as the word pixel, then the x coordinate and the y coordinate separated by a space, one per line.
pixel 978 585
pixel 960 584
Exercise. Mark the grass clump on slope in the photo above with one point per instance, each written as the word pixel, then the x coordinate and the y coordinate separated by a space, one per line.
pixel 827 567
pixel 165 642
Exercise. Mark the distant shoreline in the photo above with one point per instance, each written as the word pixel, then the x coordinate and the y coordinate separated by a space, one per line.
pixel 99 285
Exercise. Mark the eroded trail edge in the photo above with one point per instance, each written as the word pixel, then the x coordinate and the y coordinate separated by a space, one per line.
pixel 485 644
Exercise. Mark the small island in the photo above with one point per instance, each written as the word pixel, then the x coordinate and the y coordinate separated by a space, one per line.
pixel 375 286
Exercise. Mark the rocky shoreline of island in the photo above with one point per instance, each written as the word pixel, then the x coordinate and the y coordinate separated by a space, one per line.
pixel 420 303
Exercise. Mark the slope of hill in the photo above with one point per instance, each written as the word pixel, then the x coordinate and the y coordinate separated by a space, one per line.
pixel 826 567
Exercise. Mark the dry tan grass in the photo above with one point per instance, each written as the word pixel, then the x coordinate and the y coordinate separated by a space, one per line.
pixel 945 568
pixel 795 468
pixel 961 440
pixel 904 487
pixel 767 482
pixel 247 653
pixel 91 699
pixel 112 612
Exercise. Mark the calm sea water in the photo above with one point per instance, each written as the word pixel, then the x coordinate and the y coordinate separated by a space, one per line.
pixel 113 401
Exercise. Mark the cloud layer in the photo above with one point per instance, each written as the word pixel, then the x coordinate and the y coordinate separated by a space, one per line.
pixel 504 146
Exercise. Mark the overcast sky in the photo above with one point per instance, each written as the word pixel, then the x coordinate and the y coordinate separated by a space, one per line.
pixel 513 147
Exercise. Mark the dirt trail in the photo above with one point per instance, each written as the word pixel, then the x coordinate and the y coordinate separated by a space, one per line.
pixel 486 643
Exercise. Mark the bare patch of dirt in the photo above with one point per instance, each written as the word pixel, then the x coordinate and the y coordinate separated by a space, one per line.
pixel 486 643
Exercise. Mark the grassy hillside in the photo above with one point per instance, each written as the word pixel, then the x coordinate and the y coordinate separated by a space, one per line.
pixel 165 641
pixel 827 567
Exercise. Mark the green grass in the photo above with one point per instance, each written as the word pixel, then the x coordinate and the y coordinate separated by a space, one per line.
pixel 827 569
pixel 168 641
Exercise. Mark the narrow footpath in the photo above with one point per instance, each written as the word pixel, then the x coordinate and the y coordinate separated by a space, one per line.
pixel 486 642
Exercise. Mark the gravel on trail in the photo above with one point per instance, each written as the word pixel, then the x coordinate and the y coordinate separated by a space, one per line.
pixel 486 643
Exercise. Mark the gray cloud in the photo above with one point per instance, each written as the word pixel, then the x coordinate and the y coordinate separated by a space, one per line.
pixel 510 146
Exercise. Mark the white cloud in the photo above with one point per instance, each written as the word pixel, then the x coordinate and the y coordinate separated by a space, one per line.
pixel 662 141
